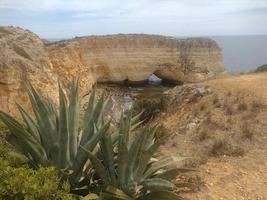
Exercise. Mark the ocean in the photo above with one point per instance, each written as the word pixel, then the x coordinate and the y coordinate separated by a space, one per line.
pixel 243 53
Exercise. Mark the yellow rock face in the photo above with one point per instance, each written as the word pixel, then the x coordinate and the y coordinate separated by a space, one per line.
pixel 117 58
pixel 23 57
pixel 114 58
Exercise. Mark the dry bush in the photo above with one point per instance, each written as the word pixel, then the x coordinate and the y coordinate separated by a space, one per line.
pixel 203 135
pixel 247 133
pixel 257 105
pixel 216 101
pixel 228 107
pixel 242 106
pixel 202 107
pixel 220 147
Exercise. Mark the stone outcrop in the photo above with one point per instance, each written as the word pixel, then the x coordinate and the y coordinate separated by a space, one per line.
pixel 113 58
pixel 23 57
pixel 134 57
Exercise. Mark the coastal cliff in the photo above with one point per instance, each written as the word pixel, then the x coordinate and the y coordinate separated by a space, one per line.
pixel 23 57
pixel 112 58
pixel 134 57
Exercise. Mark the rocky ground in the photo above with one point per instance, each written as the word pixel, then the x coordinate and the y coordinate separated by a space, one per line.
pixel 222 126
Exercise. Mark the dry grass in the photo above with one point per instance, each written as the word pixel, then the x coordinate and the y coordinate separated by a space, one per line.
pixel 242 106
pixel 247 133
pixel 257 105
pixel 221 147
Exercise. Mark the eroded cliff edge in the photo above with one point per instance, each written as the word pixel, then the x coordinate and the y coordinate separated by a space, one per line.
pixel 112 58
pixel 133 57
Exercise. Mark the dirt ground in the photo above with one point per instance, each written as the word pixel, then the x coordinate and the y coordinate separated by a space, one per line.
pixel 224 131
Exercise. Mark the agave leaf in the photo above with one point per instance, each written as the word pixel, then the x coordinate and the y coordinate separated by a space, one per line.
pixel 112 193
pixel 63 159
pixel 147 141
pixel 91 196
pixel 24 139
pixel 30 124
pixel 73 120
pixel 99 108
pixel 108 156
pixel 98 166
pixel 122 161
pixel 135 153
pixel 164 195
pixel 172 173
pixel 88 119
pixel 146 156
pixel 46 121
pixel 157 184
pixel 136 119
pixel 81 157
pixel 127 130
pixel 164 162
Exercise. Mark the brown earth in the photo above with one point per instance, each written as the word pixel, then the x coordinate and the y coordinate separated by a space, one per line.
pixel 221 125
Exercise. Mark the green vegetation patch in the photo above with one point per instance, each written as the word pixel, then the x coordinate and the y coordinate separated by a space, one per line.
pixel 262 68
pixel 24 183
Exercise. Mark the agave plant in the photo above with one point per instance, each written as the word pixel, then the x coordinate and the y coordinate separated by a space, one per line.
pixel 52 137
pixel 127 168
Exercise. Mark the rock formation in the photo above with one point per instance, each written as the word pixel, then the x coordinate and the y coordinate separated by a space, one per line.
pixel 134 57
pixel 23 57
pixel 112 58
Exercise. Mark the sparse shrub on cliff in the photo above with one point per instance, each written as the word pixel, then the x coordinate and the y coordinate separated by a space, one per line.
pixel 242 106
pixel 220 147
pixel 149 107
pixel 262 68
pixel 247 133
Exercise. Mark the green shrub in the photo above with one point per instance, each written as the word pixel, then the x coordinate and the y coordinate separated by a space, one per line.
pixel 149 107
pixel 262 68
pixel 24 183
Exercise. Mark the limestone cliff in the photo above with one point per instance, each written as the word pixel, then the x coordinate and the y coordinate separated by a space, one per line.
pixel 112 58
pixel 134 57
pixel 23 57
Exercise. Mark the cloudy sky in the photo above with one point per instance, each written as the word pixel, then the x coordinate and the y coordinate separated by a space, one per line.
pixel 70 18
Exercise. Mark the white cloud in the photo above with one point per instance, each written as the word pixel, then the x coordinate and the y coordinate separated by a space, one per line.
pixel 172 17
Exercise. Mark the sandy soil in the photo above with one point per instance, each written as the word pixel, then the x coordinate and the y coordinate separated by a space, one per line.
pixel 237 167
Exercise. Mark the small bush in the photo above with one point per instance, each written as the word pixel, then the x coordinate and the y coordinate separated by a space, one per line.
pixel 229 110
pixel 24 183
pixel 262 68
pixel 221 147
pixel 242 106
pixel 257 105
pixel 247 133
pixel 149 106
pixel 161 133
pixel 203 135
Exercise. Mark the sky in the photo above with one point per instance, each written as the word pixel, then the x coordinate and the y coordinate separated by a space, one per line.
pixel 70 18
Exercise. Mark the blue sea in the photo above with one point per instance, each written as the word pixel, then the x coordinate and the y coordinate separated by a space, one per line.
pixel 243 53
